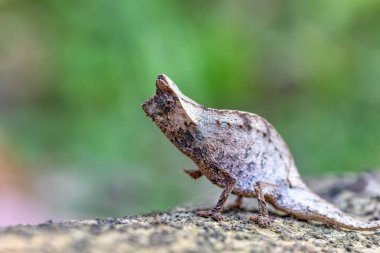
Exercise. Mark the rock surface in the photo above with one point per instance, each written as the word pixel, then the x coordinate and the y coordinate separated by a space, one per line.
pixel 179 230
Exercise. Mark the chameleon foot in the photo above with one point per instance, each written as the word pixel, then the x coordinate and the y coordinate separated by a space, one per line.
pixel 211 213
pixel 262 221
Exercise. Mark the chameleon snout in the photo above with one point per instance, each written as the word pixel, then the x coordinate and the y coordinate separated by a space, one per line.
pixel 147 107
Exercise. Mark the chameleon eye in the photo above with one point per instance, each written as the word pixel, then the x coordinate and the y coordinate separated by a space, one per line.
pixel 169 102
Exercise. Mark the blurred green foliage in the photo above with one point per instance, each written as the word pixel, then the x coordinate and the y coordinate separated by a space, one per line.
pixel 310 68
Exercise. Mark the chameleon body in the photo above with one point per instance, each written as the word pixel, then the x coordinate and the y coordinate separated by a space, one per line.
pixel 243 154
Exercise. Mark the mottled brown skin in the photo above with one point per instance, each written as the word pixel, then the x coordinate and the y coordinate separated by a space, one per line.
pixel 241 153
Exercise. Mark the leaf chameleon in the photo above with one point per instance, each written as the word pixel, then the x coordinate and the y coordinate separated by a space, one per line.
pixel 243 154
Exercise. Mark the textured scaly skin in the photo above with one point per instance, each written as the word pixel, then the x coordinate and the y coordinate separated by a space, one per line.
pixel 241 153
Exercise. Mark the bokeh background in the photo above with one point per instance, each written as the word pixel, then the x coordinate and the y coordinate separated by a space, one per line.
pixel 74 142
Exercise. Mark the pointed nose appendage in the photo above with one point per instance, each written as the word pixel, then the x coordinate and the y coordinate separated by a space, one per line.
pixel 163 77
pixel 164 83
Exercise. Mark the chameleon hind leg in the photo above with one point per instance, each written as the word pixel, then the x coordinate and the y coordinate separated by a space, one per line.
pixel 214 213
pixel 238 202
pixel 262 218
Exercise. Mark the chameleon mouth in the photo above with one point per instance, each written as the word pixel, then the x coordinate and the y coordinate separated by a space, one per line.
pixel 162 85
pixel 146 106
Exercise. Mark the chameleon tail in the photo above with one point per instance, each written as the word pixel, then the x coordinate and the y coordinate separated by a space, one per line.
pixel 304 204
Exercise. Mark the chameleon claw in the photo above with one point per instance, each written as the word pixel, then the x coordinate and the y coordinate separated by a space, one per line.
pixel 262 221
pixel 215 215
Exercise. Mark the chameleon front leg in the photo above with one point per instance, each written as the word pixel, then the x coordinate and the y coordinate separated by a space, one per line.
pixel 262 189
pixel 214 213
pixel 195 174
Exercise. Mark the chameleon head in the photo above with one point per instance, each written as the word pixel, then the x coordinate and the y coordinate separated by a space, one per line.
pixel 169 108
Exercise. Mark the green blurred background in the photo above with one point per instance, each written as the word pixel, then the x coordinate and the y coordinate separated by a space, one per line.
pixel 74 73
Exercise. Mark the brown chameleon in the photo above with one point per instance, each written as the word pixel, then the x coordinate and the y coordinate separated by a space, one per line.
pixel 243 154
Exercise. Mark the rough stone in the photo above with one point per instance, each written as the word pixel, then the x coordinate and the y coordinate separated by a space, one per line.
pixel 179 230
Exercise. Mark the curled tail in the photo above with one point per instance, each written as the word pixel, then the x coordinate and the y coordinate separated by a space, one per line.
pixel 304 204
